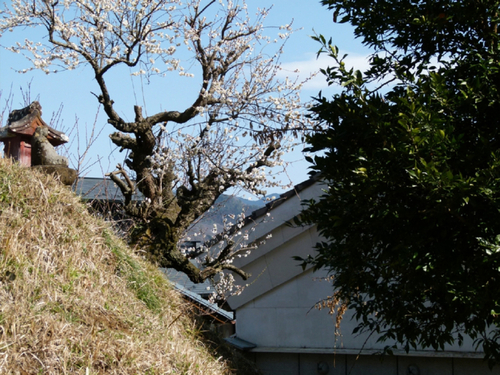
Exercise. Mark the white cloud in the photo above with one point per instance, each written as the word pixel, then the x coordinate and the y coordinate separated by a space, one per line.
pixel 312 65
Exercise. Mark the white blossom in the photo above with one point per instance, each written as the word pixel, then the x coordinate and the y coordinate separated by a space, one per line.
pixel 244 118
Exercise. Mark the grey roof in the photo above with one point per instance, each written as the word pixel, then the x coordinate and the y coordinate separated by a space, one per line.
pixel 182 280
pixel 105 189
pixel 195 291
pixel 283 197
pixel 198 299
pixel 240 343
pixel 94 188
pixel 269 206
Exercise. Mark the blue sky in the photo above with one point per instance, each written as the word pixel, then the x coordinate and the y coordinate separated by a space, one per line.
pixel 73 89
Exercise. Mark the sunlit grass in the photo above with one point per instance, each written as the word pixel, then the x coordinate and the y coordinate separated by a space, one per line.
pixel 74 299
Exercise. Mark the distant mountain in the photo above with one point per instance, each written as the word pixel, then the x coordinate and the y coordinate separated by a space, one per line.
pixel 224 206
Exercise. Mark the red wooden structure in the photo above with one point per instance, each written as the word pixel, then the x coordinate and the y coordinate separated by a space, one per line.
pixel 20 128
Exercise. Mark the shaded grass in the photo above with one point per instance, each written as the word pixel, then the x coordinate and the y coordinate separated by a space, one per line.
pixel 138 280
pixel 74 299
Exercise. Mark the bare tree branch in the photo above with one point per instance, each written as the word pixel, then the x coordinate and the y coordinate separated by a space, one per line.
pixel 241 120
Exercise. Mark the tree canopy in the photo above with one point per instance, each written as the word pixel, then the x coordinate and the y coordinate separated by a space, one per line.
pixel 241 118
pixel 411 161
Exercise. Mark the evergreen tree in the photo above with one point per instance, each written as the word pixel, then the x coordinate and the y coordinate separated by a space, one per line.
pixel 410 155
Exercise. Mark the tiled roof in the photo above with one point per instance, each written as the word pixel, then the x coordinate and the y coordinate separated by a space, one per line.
pixel 268 207
pixel 24 121
pixel 195 291
pixel 283 197
pixel 180 278
pixel 93 188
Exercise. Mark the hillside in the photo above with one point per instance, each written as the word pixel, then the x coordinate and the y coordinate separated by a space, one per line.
pixel 74 299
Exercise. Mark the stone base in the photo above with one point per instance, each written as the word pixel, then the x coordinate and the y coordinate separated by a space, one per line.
pixel 66 175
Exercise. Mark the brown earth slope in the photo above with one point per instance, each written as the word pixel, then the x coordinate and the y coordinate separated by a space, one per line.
pixel 74 299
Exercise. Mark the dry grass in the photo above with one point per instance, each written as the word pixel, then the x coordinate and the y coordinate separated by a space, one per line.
pixel 76 300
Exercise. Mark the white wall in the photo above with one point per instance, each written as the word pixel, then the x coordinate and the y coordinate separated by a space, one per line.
pixel 285 317
pixel 307 364
pixel 276 312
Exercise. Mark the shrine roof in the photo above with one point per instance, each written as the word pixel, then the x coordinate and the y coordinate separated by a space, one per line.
pixel 25 121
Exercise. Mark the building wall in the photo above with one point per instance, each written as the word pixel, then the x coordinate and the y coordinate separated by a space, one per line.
pixel 286 317
pixel 277 313
pixel 314 364
pixel 293 338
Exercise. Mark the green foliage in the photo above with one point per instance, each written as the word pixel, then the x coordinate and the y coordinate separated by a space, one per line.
pixel 412 210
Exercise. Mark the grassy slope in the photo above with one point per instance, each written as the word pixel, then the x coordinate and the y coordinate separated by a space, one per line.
pixel 76 300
